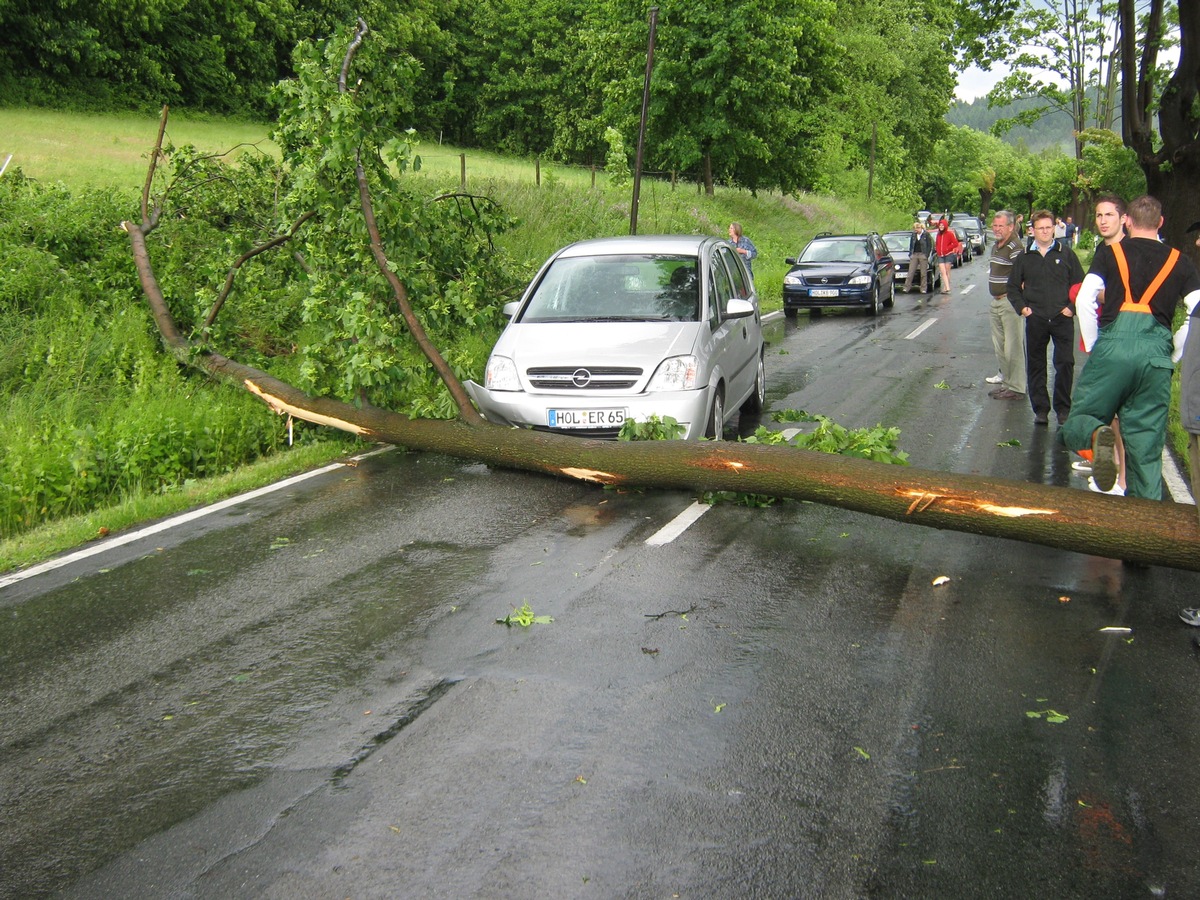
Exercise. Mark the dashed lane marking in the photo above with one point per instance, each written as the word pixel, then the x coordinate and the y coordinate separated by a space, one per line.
pixel 928 323
pixel 678 525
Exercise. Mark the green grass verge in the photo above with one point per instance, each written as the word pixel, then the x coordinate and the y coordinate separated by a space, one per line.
pixel 138 509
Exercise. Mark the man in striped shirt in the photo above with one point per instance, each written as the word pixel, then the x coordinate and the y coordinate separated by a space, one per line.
pixel 1008 329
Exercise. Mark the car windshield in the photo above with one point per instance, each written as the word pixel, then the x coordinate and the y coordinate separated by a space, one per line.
pixel 630 288
pixel 836 251
pixel 897 242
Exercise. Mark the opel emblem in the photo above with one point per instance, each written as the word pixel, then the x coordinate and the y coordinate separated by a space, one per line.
pixel 581 377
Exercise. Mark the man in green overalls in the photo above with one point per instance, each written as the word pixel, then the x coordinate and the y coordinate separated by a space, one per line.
pixel 1129 370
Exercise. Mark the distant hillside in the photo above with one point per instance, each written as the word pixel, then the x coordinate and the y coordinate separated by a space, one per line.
pixel 1052 131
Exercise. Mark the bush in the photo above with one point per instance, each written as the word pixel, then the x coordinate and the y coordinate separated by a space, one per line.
pixel 92 407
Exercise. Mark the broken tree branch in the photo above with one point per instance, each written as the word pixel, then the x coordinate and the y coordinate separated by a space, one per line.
pixel 466 409
pixel 245 258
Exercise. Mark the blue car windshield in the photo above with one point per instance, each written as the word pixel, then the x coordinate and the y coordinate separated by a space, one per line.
pixel 626 288
pixel 836 251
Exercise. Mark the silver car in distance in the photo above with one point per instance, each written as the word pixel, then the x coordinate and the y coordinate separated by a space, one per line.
pixel 629 327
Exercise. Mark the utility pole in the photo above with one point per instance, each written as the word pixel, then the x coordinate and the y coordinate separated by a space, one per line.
pixel 641 144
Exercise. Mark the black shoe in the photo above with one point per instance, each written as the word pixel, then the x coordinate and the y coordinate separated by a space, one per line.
pixel 1062 418
pixel 1104 457
pixel 1041 419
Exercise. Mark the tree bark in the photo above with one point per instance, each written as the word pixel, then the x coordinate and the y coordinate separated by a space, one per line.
pixel 1172 168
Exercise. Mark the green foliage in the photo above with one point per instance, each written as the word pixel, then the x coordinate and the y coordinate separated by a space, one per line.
pixel 616 160
pixel 652 429
pixel 1063 62
pixel 1109 166
pixel 355 345
pixel 92 408
pixel 880 444
pixel 523 617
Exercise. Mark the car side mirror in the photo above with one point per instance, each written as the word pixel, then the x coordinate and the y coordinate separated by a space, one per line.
pixel 790 260
pixel 510 308
pixel 739 308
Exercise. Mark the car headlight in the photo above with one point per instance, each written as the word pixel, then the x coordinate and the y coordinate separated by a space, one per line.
pixel 675 374
pixel 501 375
pixel 792 279
pixel 860 279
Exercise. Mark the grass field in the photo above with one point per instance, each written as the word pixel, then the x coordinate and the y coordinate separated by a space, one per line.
pixel 86 150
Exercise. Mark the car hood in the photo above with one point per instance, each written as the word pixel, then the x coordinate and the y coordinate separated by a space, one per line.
pixel 643 344
pixel 831 269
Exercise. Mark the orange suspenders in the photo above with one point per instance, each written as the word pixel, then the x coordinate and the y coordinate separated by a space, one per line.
pixel 1142 305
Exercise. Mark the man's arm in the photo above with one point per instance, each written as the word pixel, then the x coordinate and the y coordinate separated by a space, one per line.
pixel 1087 309
pixel 1074 278
pixel 1016 284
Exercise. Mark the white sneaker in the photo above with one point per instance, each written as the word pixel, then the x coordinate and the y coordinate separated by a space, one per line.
pixel 1117 490
pixel 1082 465
pixel 995 379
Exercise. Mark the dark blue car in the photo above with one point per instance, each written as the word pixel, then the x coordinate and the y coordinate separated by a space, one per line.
pixel 841 270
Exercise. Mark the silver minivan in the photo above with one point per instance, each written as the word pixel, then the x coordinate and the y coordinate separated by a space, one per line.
pixel 629 327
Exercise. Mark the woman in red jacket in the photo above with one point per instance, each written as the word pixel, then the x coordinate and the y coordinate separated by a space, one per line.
pixel 947 247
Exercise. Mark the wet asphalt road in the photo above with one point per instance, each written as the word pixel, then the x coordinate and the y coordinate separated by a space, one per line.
pixel 308 695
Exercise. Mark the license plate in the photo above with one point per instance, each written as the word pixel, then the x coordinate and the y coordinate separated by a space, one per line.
pixel 824 292
pixel 586 418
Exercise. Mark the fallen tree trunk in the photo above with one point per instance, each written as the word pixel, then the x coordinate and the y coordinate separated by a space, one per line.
pixel 1082 521
pixel 1122 528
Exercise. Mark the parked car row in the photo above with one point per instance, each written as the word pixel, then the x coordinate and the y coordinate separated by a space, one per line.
pixel 614 329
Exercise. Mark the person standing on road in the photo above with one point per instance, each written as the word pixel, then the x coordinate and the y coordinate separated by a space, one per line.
pixel 743 245
pixel 1189 407
pixel 1008 329
pixel 1129 371
pixel 1110 225
pixel 920 246
pixel 947 247
pixel 1071 233
pixel 1041 288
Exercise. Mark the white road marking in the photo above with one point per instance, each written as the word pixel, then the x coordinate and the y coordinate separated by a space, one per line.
pixel 920 328
pixel 678 525
pixel 1175 483
pixel 174 522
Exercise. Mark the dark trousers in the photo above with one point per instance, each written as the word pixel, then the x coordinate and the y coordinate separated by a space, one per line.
pixel 1040 331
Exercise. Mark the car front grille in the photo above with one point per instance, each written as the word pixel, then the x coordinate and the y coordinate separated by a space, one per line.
pixel 825 281
pixel 583 378
pixel 597 434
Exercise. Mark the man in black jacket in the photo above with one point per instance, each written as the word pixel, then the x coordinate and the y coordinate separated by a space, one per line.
pixel 1042 287
pixel 920 245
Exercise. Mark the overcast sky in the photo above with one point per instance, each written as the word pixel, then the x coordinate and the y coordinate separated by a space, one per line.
pixel 975 82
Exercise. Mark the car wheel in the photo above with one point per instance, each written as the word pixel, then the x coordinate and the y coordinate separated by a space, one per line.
pixel 716 418
pixel 876 302
pixel 789 312
pixel 757 399
pixel 891 298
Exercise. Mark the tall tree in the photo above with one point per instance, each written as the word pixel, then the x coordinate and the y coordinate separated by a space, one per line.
pixel 1170 156
pixel 892 84
pixel 730 84
pixel 1065 60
